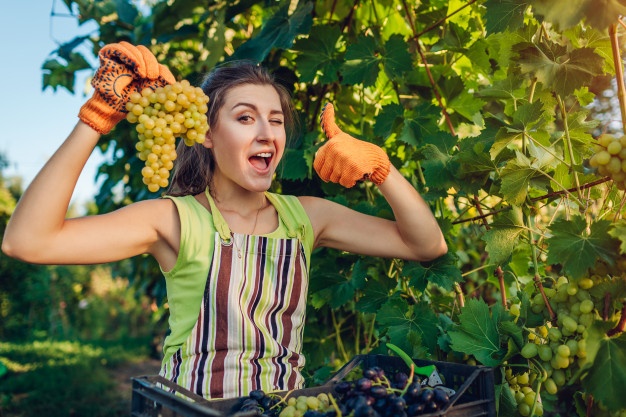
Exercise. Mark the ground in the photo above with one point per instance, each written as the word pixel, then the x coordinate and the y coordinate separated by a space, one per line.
pixel 123 374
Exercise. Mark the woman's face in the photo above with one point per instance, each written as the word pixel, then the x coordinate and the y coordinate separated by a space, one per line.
pixel 249 138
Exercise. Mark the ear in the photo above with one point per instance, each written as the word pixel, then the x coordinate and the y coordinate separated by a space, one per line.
pixel 208 140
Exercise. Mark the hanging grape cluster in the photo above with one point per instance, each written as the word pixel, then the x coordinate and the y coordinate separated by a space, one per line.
pixel 559 346
pixel 610 159
pixel 174 111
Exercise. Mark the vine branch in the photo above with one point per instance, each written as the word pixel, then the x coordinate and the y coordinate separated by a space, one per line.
pixel 534 199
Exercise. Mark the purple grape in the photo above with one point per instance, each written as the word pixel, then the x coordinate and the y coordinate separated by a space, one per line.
pixel 363 384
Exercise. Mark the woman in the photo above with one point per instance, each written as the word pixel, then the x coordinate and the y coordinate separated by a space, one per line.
pixel 235 257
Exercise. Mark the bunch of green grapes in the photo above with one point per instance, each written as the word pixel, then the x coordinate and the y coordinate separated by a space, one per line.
pixel 298 406
pixel 274 405
pixel 521 386
pixel 174 111
pixel 561 346
pixel 610 159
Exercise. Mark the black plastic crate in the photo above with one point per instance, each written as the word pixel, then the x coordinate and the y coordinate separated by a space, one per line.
pixel 474 387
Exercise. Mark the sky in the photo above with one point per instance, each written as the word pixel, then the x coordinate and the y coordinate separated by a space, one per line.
pixel 36 122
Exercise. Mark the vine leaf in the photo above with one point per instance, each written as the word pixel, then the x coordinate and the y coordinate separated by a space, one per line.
pixel 504 14
pixel 375 294
pixel 564 13
pixel 362 59
pixel 607 375
pixel 503 236
pixel 602 17
pixel 400 319
pixel 278 32
pixel 443 272
pixel 336 289
pixel 477 333
pixel 397 60
pixel 576 249
pixel 618 231
pixel 518 174
pixel 556 68
pixel 318 55
pixel 386 121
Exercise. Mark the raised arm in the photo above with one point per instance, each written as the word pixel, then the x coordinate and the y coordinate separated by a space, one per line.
pixel 38 231
pixel 414 235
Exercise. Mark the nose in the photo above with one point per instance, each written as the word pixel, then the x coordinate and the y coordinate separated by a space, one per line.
pixel 265 132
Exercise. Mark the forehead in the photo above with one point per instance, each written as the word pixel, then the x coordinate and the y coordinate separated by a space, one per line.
pixel 262 96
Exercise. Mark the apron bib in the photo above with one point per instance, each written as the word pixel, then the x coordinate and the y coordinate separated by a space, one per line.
pixel 248 334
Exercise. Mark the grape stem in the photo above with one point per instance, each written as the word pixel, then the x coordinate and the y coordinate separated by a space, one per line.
pixel 539 286
pixel 335 406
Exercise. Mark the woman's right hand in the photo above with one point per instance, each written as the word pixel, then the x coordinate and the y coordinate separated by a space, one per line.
pixel 124 69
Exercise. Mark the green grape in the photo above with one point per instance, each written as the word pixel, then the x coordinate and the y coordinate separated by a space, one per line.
pixel 558 376
pixel 570 324
pixel 586 306
pixel 515 309
pixel 572 344
pixel 554 334
pixel 529 350
pixel 545 353
pixel 523 409
pixel 614 147
pixel 563 350
pixel 550 386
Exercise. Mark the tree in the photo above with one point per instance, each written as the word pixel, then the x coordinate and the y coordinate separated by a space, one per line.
pixel 487 108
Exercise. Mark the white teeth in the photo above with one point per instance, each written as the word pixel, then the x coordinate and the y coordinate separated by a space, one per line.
pixel 264 155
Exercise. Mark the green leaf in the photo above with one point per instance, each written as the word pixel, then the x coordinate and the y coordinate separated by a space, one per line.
pixel 576 249
pixel 516 177
pixel 477 333
pixel 607 375
pixel 602 14
pixel 503 236
pixel 362 59
pixel 618 231
pixel 277 32
pixel 386 121
pixel 442 272
pixel 501 15
pixel 375 294
pixel 466 104
pixel 529 115
pixel 318 55
pixel 401 319
pixel 558 69
pixel 563 13
pixel 294 165
pixel 439 168
pixel 397 60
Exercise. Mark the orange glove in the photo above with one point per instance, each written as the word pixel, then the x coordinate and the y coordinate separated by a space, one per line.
pixel 124 69
pixel 345 159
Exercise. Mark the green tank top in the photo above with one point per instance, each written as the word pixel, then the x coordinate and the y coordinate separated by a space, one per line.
pixel 185 282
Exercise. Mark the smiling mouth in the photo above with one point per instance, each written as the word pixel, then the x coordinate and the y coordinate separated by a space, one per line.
pixel 261 160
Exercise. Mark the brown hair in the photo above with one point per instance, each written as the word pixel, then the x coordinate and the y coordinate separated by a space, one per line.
pixel 194 165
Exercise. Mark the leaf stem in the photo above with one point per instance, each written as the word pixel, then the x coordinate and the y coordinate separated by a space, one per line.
pixel 568 141
pixel 500 275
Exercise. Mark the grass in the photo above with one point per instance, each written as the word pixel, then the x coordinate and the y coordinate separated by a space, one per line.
pixel 65 378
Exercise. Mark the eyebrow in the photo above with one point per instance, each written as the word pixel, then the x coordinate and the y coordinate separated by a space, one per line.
pixel 255 108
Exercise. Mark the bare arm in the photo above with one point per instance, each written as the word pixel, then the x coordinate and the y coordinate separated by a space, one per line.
pixel 38 231
pixel 414 235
